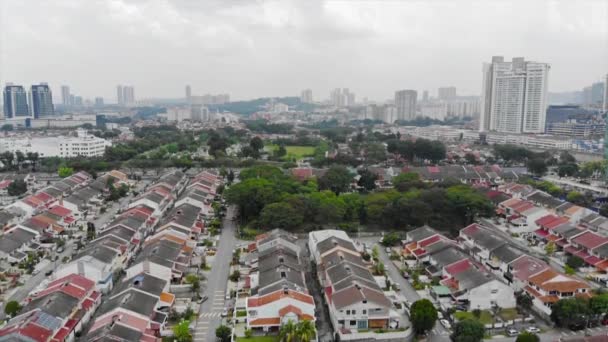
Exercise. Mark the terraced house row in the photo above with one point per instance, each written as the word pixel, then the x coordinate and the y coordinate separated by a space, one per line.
pixel 126 280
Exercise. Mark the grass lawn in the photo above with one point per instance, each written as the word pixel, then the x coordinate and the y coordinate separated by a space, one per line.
pixel 508 314
pixel 485 318
pixel 258 339
pixel 297 152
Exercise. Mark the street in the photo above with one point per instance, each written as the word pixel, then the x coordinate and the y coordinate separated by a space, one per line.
pixel 210 311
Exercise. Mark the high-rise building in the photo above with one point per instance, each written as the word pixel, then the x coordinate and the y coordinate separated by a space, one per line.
pixel 188 93
pixel 15 101
pixel 120 100
pixel 99 102
pixel 342 97
pixel 597 93
pixel 78 101
pixel 514 96
pixel 306 96
pixel 405 102
pixel 425 96
pixel 42 101
pixel 128 95
pixel 65 95
pixel 446 93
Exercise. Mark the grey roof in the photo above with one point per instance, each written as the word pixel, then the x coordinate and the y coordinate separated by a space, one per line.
pixel 163 252
pixel 337 257
pixel 61 186
pixel 99 252
pixel 14 239
pixel 52 191
pixel 562 229
pixel 421 233
pixel 438 246
pixel 5 217
pixel 78 201
pixel 506 253
pixel 333 242
pixel 114 332
pixel 154 197
pixel 143 282
pixel 345 274
pixel 119 231
pixel 471 279
pixel 565 206
pixel 544 199
pixel 448 256
pixel 130 221
pixel 277 234
pixel 131 300
pixel 486 239
pixel 602 250
pixel 57 304
pixel 184 215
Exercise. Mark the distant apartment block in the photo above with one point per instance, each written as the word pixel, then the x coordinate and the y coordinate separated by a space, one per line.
pixel 514 96
pixel 405 102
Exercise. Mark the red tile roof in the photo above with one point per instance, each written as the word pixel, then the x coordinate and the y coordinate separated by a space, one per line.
pixel 5 183
pixel 593 260
pixel 546 219
pixel 458 267
pixel 60 211
pixel 589 240
pixel 470 229
pixel 541 232
pixel 277 295
pixel 429 241
pixel 561 220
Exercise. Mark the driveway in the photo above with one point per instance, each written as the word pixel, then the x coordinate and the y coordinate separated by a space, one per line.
pixel 210 311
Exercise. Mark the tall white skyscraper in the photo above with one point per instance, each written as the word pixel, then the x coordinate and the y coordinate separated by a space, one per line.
pixel 514 96
pixel 342 97
pixel 188 93
pixel 405 102
pixel 65 95
pixel 306 96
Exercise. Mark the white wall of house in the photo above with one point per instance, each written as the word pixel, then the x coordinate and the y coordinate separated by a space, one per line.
pixel 489 294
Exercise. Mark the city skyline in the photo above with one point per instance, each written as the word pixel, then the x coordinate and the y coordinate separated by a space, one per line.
pixel 364 46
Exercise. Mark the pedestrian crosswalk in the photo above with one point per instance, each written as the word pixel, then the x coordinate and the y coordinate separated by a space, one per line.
pixel 209 315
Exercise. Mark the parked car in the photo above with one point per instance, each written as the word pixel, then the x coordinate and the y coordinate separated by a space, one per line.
pixel 202 299
pixel 225 312
pixel 406 275
pixel 388 250
pixel 512 332
pixel 605 320
pixel 532 330
pixel 445 324
pixel 48 273
pixel 60 250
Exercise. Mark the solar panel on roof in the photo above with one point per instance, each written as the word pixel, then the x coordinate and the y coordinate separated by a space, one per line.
pixel 48 321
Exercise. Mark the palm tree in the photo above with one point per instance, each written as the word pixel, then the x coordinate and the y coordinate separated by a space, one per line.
pixel 306 330
pixel 288 332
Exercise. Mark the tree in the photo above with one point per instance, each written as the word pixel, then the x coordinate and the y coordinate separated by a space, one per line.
pixel 65 171
pixel 181 331
pixel 367 179
pixel 576 198
pixel 20 156
pixel 604 210
pixel 17 187
pixel 570 311
pixel 379 268
pixel 7 159
pixel 223 333
pixel 256 144
pixel 567 170
pixel 12 308
pixel 336 179
pixel 230 177
pixel 281 215
pixel 194 282
pixel 235 276
pixel 470 158
pixel 288 332
pixel 550 248
pixel 599 304
pixel 305 330
pixel 524 301
pixel 537 166
pixel 423 316
pixel 390 239
pixel 468 330
pixel 280 152
pixel 527 337
pixel 575 262
pixel 6 127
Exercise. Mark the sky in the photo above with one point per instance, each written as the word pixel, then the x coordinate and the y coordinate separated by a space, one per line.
pixel 253 49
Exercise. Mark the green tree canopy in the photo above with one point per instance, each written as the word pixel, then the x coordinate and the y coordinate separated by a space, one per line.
pixel 12 308
pixel 527 337
pixel 181 331
pixel 336 179
pixel 569 311
pixel 17 187
pixel 423 316
pixel 468 330
pixel 65 171
pixel 223 333
pixel 281 215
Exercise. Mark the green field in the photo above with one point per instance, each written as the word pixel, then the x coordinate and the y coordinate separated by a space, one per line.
pixel 485 318
pixel 297 152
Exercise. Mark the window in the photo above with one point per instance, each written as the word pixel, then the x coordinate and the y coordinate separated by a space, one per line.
pixel 354 312
pixel 494 291
pixel 353 323
pixel 348 312
pixel 365 312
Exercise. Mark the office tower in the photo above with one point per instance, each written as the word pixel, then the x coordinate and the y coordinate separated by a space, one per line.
pixel 78 101
pixel 42 101
pixel 597 93
pixel 336 98
pixel 188 93
pixel 128 95
pixel 425 96
pixel 99 102
pixel 446 93
pixel 405 102
pixel 120 100
pixel 514 96
pixel 65 96
pixel 306 96
pixel 15 101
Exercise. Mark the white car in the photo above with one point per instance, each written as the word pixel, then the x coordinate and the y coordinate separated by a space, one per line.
pixel 445 324
pixel 225 313
pixel 512 332
pixel 388 250
pixel 532 330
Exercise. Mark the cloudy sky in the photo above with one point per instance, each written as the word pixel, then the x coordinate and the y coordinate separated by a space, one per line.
pixel 276 48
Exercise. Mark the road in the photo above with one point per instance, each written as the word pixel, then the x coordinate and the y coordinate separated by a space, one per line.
pixel 438 333
pixel 36 280
pixel 210 311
